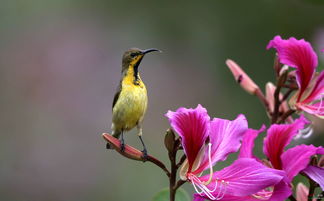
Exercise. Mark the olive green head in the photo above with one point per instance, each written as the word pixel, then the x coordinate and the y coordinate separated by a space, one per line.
pixel 134 56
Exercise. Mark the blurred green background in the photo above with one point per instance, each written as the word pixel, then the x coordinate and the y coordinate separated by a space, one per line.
pixel 60 64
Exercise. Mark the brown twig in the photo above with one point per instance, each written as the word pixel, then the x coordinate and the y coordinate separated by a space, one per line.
pixel 312 186
pixel 275 113
pixel 132 153
pixel 290 86
pixel 258 93
pixel 292 198
pixel 179 183
pixel 286 95
pixel 172 153
pixel 281 80
pixel 286 115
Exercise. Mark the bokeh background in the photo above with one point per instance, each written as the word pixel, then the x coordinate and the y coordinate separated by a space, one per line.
pixel 60 64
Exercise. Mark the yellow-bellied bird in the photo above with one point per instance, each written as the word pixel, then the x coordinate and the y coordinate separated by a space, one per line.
pixel 130 101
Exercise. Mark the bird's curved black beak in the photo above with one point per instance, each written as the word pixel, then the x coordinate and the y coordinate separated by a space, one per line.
pixel 150 50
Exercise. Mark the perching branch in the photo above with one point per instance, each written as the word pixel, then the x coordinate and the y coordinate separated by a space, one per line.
pixel 132 153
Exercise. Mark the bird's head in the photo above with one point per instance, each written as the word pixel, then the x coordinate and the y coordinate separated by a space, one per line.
pixel 134 56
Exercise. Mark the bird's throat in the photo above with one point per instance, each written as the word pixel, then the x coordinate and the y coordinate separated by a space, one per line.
pixel 135 66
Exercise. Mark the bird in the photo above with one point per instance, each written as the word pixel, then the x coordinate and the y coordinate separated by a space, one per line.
pixel 130 101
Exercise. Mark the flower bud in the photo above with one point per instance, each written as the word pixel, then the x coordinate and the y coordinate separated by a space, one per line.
pixel 241 77
pixel 169 140
pixel 129 152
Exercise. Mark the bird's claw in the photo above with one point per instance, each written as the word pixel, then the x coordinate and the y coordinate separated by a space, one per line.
pixel 122 146
pixel 145 155
pixel 108 146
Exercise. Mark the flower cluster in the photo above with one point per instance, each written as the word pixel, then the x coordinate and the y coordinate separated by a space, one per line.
pixel 206 141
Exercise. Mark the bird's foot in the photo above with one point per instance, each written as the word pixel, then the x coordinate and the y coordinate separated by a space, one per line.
pixel 108 146
pixel 122 146
pixel 144 156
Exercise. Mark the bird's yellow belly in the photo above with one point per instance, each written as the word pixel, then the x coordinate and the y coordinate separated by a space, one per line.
pixel 130 107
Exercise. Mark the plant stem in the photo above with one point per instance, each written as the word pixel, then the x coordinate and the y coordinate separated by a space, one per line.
pixel 292 198
pixel 287 94
pixel 286 115
pixel 320 196
pixel 159 164
pixel 263 99
pixel 312 186
pixel 179 183
pixel 277 102
pixel 172 183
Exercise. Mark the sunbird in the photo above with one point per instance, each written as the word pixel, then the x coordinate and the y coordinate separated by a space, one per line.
pixel 130 101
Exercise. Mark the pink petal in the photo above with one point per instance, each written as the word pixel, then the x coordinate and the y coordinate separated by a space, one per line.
pixel 241 77
pixel 280 193
pixel 246 177
pixel 297 159
pixel 317 90
pixel 316 174
pixel 298 54
pixel 315 109
pixel 248 142
pixel 197 197
pixel 192 125
pixel 301 192
pixel 225 137
pixel 278 137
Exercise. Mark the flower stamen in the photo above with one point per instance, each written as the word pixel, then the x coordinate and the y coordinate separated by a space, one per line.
pixel 305 133
pixel 210 166
pixel 201 188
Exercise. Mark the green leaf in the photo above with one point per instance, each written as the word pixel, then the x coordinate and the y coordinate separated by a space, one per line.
pixel 163 195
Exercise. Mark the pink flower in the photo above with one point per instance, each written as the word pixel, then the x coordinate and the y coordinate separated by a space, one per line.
pixel 292 161
pixel 316 173
pixel 206 142
pixel 299 54
pixel 246 179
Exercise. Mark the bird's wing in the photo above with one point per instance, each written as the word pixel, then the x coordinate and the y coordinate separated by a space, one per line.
pixel 119 88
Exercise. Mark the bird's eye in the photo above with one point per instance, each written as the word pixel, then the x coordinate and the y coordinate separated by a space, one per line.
pixel 133 55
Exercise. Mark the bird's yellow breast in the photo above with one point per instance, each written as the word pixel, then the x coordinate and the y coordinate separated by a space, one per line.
pixel 131 105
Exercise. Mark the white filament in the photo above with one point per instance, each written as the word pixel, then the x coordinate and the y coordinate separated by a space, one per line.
pixel 210 165
pixel 305 133
pixel 201 186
